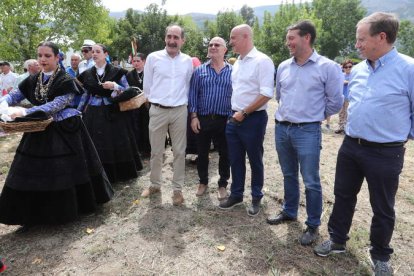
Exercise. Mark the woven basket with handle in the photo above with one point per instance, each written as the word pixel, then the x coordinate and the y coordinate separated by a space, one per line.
pixel 33 126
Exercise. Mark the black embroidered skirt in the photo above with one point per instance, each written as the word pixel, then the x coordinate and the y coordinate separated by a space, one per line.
pixel 140 120
pixel 56 175
pixel 114 140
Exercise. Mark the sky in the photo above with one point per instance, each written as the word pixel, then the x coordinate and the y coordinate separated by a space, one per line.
pixel 187 6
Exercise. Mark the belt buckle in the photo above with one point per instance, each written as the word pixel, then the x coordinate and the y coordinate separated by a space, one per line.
pixel 359 141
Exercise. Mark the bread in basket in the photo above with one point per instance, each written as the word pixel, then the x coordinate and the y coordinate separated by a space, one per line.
pixel 37 121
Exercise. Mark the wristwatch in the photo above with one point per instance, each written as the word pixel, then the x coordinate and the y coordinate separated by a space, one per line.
pixel 244 113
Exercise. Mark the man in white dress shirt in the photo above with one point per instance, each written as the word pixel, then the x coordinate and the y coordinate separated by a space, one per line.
pixel 167 75
pixel 7 79
pixel 252 81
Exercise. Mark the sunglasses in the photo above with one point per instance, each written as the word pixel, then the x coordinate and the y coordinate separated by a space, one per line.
pixel 347 67
pixel 85 50
pixel 214 44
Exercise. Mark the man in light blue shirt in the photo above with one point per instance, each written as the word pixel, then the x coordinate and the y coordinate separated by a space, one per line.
pixel 308 90
pixel 380 120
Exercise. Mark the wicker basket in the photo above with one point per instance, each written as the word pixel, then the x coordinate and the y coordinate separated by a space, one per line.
pixel 33 126
pixel 133 103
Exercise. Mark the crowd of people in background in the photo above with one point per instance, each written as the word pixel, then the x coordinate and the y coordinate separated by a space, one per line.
pixel 70 167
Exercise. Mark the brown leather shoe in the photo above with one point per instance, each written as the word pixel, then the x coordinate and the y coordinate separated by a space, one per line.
pixel 202 188
pixel 150 191
pixel 222 193
pixel 177 198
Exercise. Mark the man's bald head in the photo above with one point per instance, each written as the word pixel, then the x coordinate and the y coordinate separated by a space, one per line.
pixel 241 39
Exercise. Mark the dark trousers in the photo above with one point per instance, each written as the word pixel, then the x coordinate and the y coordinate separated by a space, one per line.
pixel 381 167
pixel 213 128
pixel 247 137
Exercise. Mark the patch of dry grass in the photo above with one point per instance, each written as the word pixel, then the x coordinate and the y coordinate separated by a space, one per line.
pixel 135 236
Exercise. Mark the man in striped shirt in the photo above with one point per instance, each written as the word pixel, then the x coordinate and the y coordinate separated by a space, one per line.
pixel 210 105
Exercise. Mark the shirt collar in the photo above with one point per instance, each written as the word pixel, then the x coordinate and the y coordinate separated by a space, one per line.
pixel 384 59
pixel 253 53
pixel 208 63
pixel 166 53
pixel 314 57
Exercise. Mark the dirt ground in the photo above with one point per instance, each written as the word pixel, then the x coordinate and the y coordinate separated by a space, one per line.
pixel 135 236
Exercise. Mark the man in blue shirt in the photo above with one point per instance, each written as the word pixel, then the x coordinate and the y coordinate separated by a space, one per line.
pixel 73 69
pixel 308 90
pixel 210 105
pixel 380 120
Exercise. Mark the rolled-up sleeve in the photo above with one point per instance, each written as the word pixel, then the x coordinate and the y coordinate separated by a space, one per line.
pixel 266 77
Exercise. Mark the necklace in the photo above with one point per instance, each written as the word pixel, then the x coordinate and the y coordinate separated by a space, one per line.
pixel 100 79
pixel 139 78
pixel 42 90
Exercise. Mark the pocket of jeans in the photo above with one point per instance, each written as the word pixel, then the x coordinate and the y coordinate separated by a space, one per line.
pixel 231 120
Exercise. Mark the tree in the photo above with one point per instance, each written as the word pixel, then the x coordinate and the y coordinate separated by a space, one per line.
pixel 152 28
pixel 126 28
pixel 405 42
pixel 247 13
pixel 24 24
pixel 225 22
pixel 195 43
pixel 339 18
pixel 272 36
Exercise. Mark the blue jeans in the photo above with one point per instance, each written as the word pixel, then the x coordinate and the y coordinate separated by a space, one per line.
pixel 299 147
pixel 247 137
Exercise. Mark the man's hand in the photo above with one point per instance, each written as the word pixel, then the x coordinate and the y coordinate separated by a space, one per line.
pixel 195 125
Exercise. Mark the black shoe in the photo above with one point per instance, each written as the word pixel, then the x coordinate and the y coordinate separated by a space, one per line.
pixel 280 218
pixel 23 229
pixel 254 209
pixel 310 235
pixel 230 203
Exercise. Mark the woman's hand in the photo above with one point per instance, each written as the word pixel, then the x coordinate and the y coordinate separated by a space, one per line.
pixel 17 112
pixel 109 85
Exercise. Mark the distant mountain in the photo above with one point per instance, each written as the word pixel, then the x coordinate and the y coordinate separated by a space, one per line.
pixel 403 8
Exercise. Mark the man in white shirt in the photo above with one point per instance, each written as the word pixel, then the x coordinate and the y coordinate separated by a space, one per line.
pixel 253 83
pixel 167 75
pixel 31 67
pixel 87 55
pixel 7 79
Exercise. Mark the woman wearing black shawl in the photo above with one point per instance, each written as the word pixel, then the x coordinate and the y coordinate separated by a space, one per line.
pixel 109 128
pixel 56 174
pixel 140 116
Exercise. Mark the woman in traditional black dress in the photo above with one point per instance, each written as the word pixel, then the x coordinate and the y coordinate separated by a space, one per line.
pixel 140 116
pixel 110 129
pixel 56 174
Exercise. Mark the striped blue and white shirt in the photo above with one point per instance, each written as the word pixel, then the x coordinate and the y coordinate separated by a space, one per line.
pixel 210 92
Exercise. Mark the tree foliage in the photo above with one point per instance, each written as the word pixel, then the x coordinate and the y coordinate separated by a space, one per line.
pixel 339 18
pixel 405 40
pixel 273 32
pixel 24 24
pixel 149 30
pixel 247 13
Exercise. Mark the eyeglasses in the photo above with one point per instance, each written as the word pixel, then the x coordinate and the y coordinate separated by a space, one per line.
pixel 348 67
pixel 214 44
pixel 85 50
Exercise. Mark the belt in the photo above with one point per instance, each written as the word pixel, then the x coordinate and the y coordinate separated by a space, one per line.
pixel 162 106
pixel 366 143
pixel 286 123
pixel 213 116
